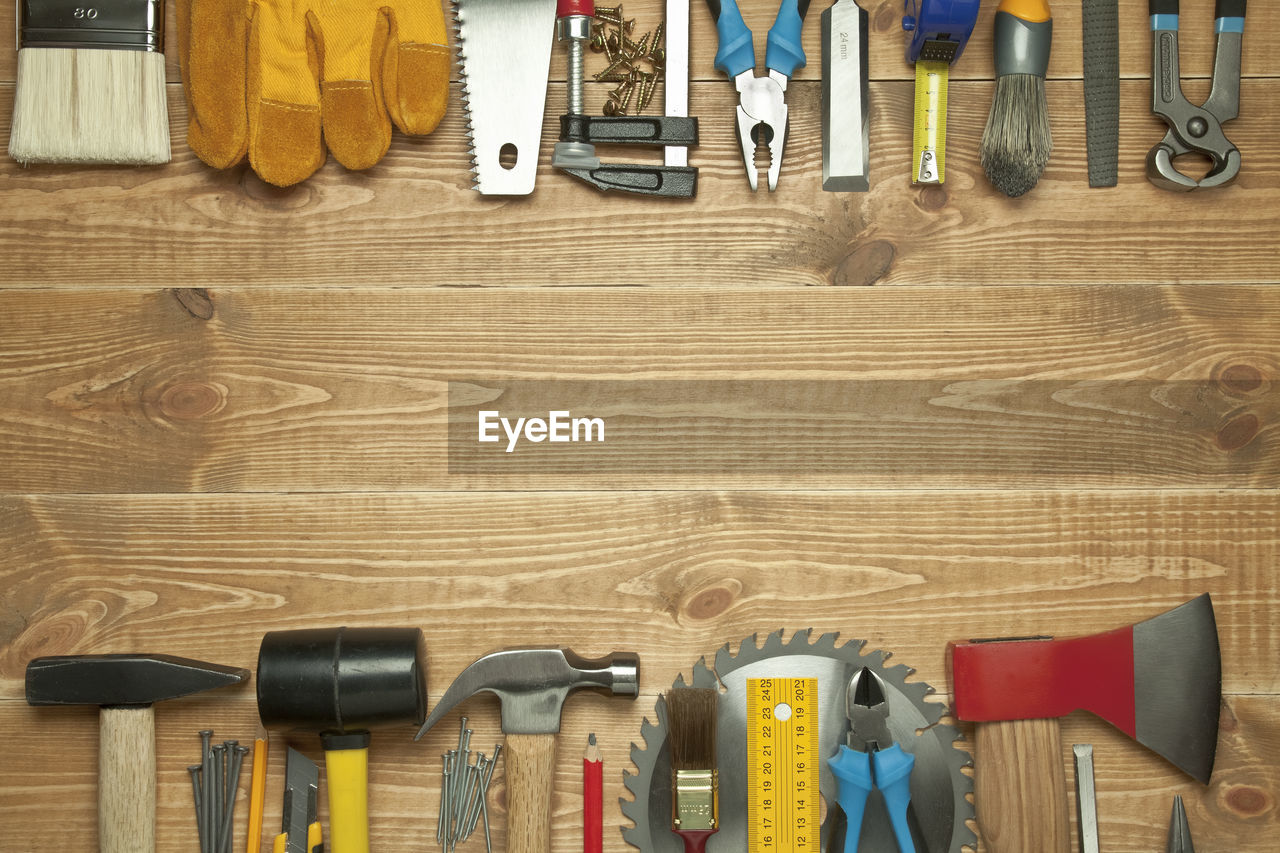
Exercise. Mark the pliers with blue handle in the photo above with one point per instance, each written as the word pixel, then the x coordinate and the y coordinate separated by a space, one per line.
pixel 1195 129
pixel 872 760
pixel 762 104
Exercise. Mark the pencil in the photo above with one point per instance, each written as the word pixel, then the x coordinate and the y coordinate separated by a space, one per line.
pixel 592 798
pixel 257 793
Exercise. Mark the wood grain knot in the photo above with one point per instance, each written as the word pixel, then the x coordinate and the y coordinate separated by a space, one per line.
pixel 1238 432
pixel 59 635
pixel 189 401
pixel 931 197
pixel 1241 379
pixel 888 17
pixel 1248 801
pixel 865 265
pixel 196 300
pixel 710 602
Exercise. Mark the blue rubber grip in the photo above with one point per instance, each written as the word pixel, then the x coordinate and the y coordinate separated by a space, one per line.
pixel 893 778
pixel 736 53
pixel 783 51
pixel 852 770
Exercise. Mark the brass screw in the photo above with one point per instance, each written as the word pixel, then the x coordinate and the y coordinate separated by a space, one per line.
pixel 618 65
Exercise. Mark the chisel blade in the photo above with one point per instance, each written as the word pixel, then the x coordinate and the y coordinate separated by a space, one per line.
pixel 846 145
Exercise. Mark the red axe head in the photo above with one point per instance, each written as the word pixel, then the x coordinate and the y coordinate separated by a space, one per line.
pixel 1159 681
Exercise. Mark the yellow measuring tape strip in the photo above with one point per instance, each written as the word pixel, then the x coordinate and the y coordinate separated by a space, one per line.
pixel 782 766
pixel 929 140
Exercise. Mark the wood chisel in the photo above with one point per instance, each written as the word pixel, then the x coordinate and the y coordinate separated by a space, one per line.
pixel 939 31
pixel 846 132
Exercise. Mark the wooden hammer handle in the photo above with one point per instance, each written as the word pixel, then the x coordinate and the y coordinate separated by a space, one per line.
pixel 1020 791
pixel 530 768
pixel 127 780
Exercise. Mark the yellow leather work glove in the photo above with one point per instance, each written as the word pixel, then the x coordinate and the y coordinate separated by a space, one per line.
pixel 279 80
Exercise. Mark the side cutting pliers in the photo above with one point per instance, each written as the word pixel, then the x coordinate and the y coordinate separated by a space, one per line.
pixel 762 104
pixel 872 760
pixel 1195 129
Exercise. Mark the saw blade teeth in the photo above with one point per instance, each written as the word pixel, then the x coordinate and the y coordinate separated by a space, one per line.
pixel 827 642
pixel 799 638
pixel 772 643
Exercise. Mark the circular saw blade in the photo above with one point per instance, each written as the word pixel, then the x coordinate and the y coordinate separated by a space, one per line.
pixel 939 787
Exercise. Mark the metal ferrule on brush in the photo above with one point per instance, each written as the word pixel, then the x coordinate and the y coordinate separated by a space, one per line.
pixel 1022 47
pixel 111 25
pixel 695 802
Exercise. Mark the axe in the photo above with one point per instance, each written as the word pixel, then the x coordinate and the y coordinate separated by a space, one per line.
pixel 1159 681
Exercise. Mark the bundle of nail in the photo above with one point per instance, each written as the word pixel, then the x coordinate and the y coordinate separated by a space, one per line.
pixel 214 783
pixel 634 64
pixel 465 792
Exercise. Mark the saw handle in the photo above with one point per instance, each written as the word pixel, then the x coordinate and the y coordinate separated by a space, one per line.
pixel 530 773
pixel 127 779
pixel 1020 791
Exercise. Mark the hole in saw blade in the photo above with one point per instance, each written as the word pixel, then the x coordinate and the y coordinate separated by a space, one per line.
pixel 508 155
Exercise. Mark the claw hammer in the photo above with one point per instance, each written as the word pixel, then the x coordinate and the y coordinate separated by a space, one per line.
pixel 532 684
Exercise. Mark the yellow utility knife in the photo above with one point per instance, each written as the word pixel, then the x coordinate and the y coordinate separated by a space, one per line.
pixel 300 832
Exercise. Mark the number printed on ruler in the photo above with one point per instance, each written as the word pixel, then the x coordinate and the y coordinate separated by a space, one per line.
pixel 782 765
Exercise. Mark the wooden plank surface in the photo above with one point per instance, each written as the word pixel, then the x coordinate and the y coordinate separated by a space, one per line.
pixel 223 410
pixel 250 390
pixel 675 575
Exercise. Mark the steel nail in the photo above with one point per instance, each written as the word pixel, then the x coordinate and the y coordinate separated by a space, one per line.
pixel 195 770
pixel 237 754
pixel 218 783
pixel 473 802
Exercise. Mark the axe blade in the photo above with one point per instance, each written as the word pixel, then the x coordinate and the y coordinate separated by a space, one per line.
pixel 1159 681
pixel 1177 686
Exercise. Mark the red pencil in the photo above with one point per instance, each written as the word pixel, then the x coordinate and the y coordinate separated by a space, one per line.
pixel 592 798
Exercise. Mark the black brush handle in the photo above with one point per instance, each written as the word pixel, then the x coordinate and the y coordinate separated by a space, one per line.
pixel 1229 9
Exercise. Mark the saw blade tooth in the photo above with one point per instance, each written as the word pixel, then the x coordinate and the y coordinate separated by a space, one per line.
pixel 799 638
pixel 772 643
pixel 827 642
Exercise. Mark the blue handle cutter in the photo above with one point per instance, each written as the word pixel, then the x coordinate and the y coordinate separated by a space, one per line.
pixel 872 760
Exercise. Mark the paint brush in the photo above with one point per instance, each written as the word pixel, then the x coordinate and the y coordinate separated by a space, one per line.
pixel 91 83
pixel 1016 142
pixel 695 782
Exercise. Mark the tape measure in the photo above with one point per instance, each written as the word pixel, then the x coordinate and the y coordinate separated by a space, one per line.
pixel 929 139
pixel 782 766
pixel 939 31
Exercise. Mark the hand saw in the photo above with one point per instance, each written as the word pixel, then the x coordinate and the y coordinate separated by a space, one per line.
pixel 505 48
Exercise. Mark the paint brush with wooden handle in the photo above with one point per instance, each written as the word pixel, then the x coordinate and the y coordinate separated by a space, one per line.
pixel 695 782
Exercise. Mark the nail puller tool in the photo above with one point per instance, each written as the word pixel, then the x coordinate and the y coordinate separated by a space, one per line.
pixel 762 104
pixel 872 760
pixel 1195 129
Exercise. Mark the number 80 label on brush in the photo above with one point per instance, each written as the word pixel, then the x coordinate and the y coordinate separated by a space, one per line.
pixel 782 766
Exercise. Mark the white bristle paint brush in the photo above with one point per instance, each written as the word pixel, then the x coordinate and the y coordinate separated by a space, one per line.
pixel 91 83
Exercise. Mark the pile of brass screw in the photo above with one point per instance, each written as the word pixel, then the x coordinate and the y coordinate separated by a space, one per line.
pixel 635 65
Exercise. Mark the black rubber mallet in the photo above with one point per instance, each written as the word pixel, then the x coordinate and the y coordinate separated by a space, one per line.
pixel 125 687
pixel 341 682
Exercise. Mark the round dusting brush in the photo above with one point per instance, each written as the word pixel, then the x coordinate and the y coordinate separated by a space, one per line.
pixel 1016 142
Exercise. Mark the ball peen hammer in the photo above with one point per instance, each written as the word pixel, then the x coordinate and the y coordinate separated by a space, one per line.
pixel 531 685
pixel 1159 681
pixel 125 687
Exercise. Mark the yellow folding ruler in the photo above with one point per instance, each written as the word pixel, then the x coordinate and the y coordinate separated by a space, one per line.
pixel 782 766
pixel 939 31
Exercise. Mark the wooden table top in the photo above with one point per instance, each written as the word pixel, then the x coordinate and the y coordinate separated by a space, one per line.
pixel 225 409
